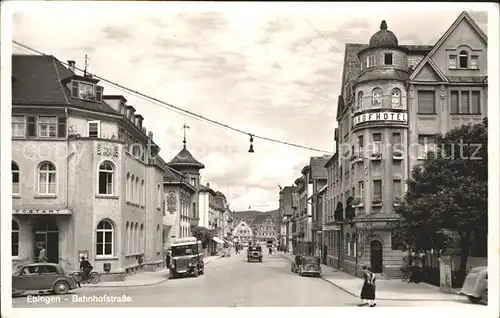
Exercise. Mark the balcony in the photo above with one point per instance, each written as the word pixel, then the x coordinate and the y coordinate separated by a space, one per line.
pixel 381 102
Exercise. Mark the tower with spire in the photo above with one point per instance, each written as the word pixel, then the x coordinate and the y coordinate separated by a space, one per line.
pixel 185 163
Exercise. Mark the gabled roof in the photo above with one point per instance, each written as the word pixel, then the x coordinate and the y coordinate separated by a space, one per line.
pixel 428 61
pixel 39 81
pixel 259 219
pixel 172 175
pixel 185 159
pixel 463 16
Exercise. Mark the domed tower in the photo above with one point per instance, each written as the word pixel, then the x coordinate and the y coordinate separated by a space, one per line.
pixel 185 163
pixel 380 125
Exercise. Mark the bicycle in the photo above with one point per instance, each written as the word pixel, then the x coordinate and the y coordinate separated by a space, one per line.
pixel 93 277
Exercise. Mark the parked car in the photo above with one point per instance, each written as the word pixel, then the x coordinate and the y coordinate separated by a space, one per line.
pixel 42 277
pixel 254 253
pixel 307 265
pixel 475 286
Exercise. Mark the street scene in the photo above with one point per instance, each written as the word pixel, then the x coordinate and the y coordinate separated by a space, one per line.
pixel 238 159
pixel 234 282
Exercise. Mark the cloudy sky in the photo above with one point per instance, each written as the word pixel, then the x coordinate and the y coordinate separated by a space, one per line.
pixel 266 72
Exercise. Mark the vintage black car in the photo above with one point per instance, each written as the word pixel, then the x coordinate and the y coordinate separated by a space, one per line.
pixel 254 253
pixel 306 265
pixel 42 277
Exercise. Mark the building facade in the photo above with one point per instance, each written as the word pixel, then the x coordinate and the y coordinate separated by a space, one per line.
pixel 288 203
pixel 395 99
pixel 302 230
pixel 91 175
pixel 212 207
pixel 317 179
pixel 243 233
pixel 264 228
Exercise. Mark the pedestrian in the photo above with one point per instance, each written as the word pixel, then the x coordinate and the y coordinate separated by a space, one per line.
pixel 372 280
pixel 367 291
pixel 168 259
pixel 42 255
pixel 85 267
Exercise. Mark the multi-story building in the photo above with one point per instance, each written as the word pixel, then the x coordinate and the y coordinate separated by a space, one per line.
pixel 91 175
pixel 243 233
pixel 177 206
pixel 187 165
pixel 264 228
pixel 212 207
pixel 303 216
pixel 287 206
pixel 317 179
pixel 394 100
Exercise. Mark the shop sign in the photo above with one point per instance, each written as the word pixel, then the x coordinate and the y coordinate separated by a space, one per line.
pixel 107 150
pixel 381 116
pixel 378 225
pixel 41 212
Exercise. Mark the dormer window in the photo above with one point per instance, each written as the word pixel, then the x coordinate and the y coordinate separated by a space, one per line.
pixel 463 59
pixel 370 61
pixel 388 59
pixel 86 91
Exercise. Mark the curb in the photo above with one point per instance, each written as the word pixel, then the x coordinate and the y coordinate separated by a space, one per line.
pixel 390 299
pixel 135 285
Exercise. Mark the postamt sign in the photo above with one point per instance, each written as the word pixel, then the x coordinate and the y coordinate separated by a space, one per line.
pixel 381 116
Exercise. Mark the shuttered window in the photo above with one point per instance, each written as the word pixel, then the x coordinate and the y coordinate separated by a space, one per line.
pixel 426 102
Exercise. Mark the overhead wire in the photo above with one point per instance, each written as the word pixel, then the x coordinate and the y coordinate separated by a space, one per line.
pixel 173 107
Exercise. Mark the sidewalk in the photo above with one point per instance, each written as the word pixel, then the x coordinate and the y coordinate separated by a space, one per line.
pixel 143 279
pixel 387 289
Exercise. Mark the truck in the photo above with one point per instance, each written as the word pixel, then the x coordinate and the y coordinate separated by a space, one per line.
pixel 187 258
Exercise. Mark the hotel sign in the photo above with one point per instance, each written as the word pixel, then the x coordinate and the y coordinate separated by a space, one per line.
pixel 41 212
pixel 370 225
pixel 107 150
pixel 381 116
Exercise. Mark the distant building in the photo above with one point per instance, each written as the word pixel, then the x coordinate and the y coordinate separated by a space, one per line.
pixel 264 229
pixel 243 233
pixel 288 202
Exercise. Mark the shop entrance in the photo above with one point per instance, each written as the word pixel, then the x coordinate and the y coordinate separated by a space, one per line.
pixel 376 256
pixel 46 234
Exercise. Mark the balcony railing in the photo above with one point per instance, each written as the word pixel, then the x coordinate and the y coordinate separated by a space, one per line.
pixel 384 101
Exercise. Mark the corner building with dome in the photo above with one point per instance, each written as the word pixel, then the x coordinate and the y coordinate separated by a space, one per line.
pixel 394 100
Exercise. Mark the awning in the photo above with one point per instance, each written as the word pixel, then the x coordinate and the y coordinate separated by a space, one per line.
pixel 217 240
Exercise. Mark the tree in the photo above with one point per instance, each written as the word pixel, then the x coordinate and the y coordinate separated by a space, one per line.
pixel 448 192
pixel 203 234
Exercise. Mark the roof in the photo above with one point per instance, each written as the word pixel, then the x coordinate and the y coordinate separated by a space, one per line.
pixel 318 169
pixel 383 38
pixel 172 175
pixel 38 81
pixel 185 159
pixel 467 79
pixel 259 219
pixel 387 75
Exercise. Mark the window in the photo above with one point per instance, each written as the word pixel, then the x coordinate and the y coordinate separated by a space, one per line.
pixel 465 102
pixel 86 91
pixel 31 126
pixel 98 93
pixel 377 143
pixel 361 189
pixel 454 102
pixel 104 241
pixel 127 188
pixel 360 100
pixel 475 102
pixel 143 194
pixel 141 236
pixel 474 62
pixel 370 61
pixel 158 200
pixel 463 59
pixel 15 177
pixel 396 141
pixel 377 96
pixel 47 127
pixel 377 188
pixel 396 188
pixel 18 126
pixel 396 97
pixel 158 237
pixel 15 239
pixel 131 188
pixel 452 62
pixel 94 129
pixel 426 144
pixel 193 182
pixel 347 244
pixel 388 59
pixel 426 102
pixel 136 238
pixel 106 178
pixel 47 179
pixel 127 236
pixel 137 191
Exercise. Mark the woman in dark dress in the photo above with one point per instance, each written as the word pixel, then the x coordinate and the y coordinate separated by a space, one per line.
pixel 368 290
pixel 371 284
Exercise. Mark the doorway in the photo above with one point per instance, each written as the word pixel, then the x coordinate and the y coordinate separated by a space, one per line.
pixel 376 256
pixel 46 234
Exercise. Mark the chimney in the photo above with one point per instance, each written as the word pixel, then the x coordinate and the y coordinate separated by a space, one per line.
pixel 150 135
pixel 144 130
pixel 71 66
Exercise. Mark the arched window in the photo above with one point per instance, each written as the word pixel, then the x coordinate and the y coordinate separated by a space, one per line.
pixel 127 188
pixel 15 238
pixel 360 100
pixel 15 178
pixel 136 236
pixel 158 237
pixel 137 192
pixel 132 238
pixel 106 173
pixel 127 239
pixel 143 194
pixel 105 237
pixel 132 192
pixel 159 197
pixel 377 96
pixel 141 243
pixel 47 179
pixel 463 59
pixel 396 97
